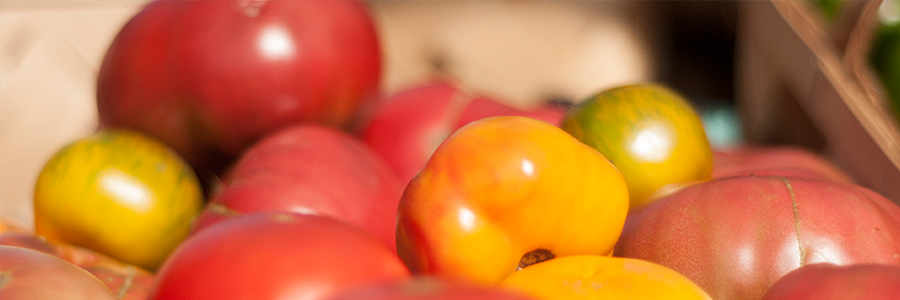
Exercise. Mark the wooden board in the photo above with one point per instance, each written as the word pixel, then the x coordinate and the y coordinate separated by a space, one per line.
pixel 784 44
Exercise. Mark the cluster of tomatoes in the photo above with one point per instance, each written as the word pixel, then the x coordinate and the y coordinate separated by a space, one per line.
pixel 323 191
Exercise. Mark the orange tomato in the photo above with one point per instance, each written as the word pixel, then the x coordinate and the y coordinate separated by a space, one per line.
pixel 120 193
pixel 505 190
pixel 600 277
pixel 649 132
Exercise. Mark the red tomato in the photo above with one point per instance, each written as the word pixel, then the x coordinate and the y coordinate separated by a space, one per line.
pixel 429 288
pixel 736 236
pixel 312 169
pixel 34 275
pixel 410 125
pixel 783 160
pixel 275 256
pixel 128 282
pixel 832 282
pixel 211 77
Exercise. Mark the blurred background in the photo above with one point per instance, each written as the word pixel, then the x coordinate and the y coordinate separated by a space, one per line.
pixel 521 52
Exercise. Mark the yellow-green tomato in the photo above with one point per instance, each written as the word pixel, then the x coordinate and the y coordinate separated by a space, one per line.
pixel 650 134
pixel 118 192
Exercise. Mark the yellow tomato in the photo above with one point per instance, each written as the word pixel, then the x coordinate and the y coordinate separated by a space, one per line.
pixel 120 193
pixel 504 192
pixel 601 277
pixel 650 133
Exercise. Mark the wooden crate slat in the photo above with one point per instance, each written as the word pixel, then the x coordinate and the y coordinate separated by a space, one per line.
pixel 863 136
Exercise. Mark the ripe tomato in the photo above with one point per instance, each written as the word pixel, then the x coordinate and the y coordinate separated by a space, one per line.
pixel 651 134
pixel 834 282
pixel 209 78
pixel 787 161
pixel 736 236
pixel 311 169
pixel 600 277
pixel 128 282
pixel 34 275
pixel 503 192
pixel 411 124
pixel 118 192
pixel 429 288
pixel 272 255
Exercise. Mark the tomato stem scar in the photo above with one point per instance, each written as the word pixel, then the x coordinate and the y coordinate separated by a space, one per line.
pixel 535 256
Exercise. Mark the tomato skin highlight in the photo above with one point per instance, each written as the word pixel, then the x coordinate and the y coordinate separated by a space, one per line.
pixel 119 192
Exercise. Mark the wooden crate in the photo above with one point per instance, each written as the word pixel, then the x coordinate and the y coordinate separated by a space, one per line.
pixel 802 81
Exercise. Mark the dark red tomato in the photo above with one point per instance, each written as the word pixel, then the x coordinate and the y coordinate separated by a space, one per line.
pixel 832 282
pixel 276 256
pixel 211 77
pixel 736 236
pixel 429 288
pixel 410 125
pixel 34 275
pixel 782 160
pixel 316 170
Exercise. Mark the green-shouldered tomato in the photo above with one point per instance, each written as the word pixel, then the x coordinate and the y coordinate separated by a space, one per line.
pixel 649 132
pixel 118 192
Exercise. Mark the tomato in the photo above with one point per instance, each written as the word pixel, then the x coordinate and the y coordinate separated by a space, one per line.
pixel 825 281
pixel 316 170
pixel 118 192
pixel 30 274
pixel 209 78
pixel 505 192
pixel 410 125
pixel 782 160
pixel 429 288
pixel 650 133
pixel 128 282
pixel 273 255
pixel 736 236
pixel 483 107
pixel 600 277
